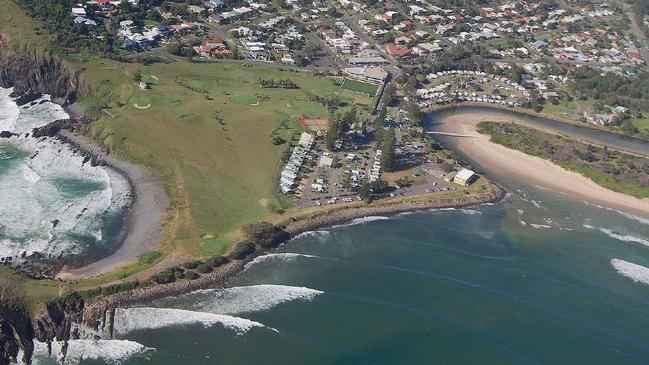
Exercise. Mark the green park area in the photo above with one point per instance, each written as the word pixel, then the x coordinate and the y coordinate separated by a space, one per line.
pixel 206 130
pixel 360 87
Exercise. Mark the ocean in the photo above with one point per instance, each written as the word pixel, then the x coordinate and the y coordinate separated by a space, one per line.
pixel 535 279
pixel 52 203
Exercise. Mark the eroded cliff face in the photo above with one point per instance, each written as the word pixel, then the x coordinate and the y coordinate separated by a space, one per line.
pixel 30 73
pixel 18 331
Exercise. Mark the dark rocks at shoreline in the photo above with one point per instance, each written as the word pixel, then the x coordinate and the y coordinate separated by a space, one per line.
pixel 7 134
pixel 26 98
pixel 52 129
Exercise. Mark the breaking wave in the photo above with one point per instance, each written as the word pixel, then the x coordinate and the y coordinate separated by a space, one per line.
pixel 52 203
pixel 110 351
pixel 319 233
pixel 134 319
pixel 241 299
pixel 637 273
pixel 540 226
pixel 362 220
pixel 624 237
pixel 283 256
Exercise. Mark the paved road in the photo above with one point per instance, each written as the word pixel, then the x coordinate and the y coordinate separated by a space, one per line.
pixel 637 31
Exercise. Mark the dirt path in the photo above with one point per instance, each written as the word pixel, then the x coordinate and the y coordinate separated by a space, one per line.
pixel 534 170
pixel 143 224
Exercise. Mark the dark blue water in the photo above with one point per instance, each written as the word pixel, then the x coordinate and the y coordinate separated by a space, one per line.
pixel 527 281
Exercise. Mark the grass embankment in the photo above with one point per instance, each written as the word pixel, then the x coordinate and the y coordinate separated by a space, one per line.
pixel 617 171
pixel 206 132
pixel 33 294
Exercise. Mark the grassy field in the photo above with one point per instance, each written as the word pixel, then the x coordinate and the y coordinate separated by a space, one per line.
pixel 360 87
pixel 206 131
pixel 32 293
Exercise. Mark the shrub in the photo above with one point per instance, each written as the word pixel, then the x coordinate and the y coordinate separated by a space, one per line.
pixel 217 261
pixel 265 234
pixel 164 277
pixel 204 268
pixel 191 264
pixel 109 290
pixel 179 275
pixel 190 275
pixel 241 250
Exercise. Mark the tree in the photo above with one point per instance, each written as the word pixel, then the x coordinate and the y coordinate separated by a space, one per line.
pixel 388 156
pixel 137 77
pixel 333 133
pixel 415 113
pixel 389 94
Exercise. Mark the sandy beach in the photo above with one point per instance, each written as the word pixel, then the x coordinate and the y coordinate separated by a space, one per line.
pixel 534 170
pixel 143 224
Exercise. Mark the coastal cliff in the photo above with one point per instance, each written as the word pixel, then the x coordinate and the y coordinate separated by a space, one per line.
pixel 30 73
pixel 18 330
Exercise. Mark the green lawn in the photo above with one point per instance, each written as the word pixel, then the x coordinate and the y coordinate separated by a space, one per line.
pixel 201 135
pixel 360 87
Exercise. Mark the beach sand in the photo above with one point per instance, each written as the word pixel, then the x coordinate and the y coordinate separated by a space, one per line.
pixel 143 224
pixel 534 170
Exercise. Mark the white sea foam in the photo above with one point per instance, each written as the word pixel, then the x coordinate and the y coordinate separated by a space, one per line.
pixel 109 351
pixel 134 319
pixel 319 233
pixel 470 211
pixel 37 215
pixel 242 299
pixel 623 237
pixel 522 223
pixel 537 204
pixel 632 216
pixel 540 226
pixel 283 256
pixel 637 273
pixel 362 220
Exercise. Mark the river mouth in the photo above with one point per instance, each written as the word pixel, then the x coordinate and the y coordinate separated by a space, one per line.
pixel 57 208
pixel 575 131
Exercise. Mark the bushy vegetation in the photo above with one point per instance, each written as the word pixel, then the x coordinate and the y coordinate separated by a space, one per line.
pixel 217 261
pixel 190 275
pixel 165 277
pixel 204 268
pixel 191 264
pixel 242 250
pixel 265 234
pixel 612 89
pixel 613 170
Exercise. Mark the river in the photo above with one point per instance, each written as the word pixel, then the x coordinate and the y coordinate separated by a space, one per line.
pixel 575 131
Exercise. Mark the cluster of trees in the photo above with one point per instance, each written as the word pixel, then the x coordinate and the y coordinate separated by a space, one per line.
pixel 612 89
pixel 460 57
pixel 339 125
pixel 278 84
pixel 332 102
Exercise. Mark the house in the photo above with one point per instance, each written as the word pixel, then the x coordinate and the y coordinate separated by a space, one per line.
pixel 78 12
pixel 464 177
pixel 288 58
pixel 398 51
pixel 402 40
